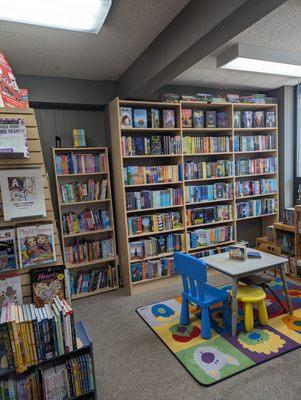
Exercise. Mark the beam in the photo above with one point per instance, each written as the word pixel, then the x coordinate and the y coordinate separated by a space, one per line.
pixel 197 31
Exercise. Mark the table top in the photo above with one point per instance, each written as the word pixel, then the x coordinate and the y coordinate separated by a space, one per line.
pixel 235 268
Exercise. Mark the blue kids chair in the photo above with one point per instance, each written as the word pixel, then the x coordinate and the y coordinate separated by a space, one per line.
pixel 197 291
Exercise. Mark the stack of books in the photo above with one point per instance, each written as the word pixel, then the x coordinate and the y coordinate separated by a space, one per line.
pixel 153 199
pixel 71 163
pixel 83 250
pixel 80 191
pixel 153 145
pixel 255 187
pixel 31 335
pixel 213 144
pixel 86 221
pixel 254 142
pixel 207 237
pixel 154 223
pixel 207 215
pixel 256 208
pixel 93 279
pixel 204 170
pixel 204 193
pixel 152 174
pixel 256 166
pixel 151 269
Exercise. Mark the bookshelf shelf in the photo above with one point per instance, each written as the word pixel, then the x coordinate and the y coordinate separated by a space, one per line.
pixel 254 196
pixel 150 280
pixel 101 238
pixel 156 232
pixel 122 192
pixel 93 292
pixel 284 227
pixel 256 216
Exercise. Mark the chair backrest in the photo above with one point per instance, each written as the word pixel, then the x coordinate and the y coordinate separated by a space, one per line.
pixel 270 248
pixel 194 274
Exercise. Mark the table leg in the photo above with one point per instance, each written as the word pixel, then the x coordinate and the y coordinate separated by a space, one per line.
pixel 285 288
pixel 234 306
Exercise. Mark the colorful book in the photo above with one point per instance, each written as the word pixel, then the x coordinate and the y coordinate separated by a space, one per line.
pixel 8 251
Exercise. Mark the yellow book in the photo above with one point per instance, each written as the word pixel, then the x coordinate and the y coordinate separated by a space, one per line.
pixel 20 367
pixel 204 172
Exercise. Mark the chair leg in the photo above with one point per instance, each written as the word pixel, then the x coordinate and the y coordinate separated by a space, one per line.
pixel 184 318
pixel 206 326
pixel 226 314
pixel 262 313
pixel 249 318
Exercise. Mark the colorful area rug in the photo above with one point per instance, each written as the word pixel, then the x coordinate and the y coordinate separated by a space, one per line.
pixel 211 361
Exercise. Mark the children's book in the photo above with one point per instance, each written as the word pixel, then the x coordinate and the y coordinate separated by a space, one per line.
pixel 10 289
pixel 237 119
pixel 13 138
pixel 155 118
pixel 247 119
pixel 258 119
pixel 222 119
pixel 210 119
pixel 140 118
pixel 8 252
pixel 22 193
pixel 126 117
pixel 136 272
pixel 198 118
pixel 169 120
pixel 187 118
pixel 36 245
pixel 270 121
pixel 46 284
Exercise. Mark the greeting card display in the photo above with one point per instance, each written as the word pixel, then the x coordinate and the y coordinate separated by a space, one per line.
pixel 8 253
pixel 13 138
pixel 10 289
pixel 36 245
pixel 22 193
pixel 46 284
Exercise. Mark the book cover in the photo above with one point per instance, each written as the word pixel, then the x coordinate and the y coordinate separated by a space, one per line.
pixel 156 145
pixel 136 272
pixel 186 118
pixel 198 118
pixel 46 284
pixel 222 119
pixel 13 136
pixel 155 118
pixel 237 119
pixel 270 119
pixel 126 117
pixel 10 289
pixel 8 252
pixel 22 193
pixel 169 120
pixel 138 145
pixel 210 119
pixel 247 119
pixel 136 250
pixel 258 119
pixel 36 245
pixel 139 118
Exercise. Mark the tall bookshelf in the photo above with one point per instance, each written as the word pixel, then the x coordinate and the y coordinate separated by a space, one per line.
pixel 120 161
pixel 80 206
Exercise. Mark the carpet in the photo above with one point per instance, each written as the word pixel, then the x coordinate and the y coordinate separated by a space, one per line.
pixel 222 356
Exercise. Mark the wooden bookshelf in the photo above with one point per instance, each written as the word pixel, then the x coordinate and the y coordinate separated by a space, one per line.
pixel 104 204
pixel 121 161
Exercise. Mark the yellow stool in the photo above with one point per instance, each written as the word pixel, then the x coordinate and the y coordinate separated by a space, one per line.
pixel 249 295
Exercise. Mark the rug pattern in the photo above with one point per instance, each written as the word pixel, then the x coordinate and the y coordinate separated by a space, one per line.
pixel 210 361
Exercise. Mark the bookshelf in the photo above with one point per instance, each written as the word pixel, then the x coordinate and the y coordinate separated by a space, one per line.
pixel 77 199
pixel 226 137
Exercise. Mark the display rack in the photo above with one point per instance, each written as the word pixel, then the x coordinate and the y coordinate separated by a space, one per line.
pixel 36 159
pixel 105 204
pixel 120 161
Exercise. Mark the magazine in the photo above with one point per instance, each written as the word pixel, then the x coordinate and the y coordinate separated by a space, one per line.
pixel 22 193
pixel 36 245
pixel 10 289
pixel 13 137
pixel 46 284
pixel 8 256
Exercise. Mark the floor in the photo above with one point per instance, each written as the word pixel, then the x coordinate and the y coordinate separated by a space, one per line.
pixel 132 364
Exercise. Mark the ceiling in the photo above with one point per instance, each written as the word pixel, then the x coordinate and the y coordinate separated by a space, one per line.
pixel 129 28
pixel 280 30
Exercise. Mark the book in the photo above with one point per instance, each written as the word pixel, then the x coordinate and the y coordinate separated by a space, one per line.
pixel 36 245
pixel 93 279
pixel 238 252
pixel 270 119
pixel 198 118
pixel 210 118
pixel 136 272
pixel 206 237
pixel 126 117
pixel 46 284
pixel 259 119
pixel 237 119
pixel 13 137
pixel 168 118
pixel 10 289
pixel 139 118
pixel 8 251
pixel 79 137
pixel 186 118
pixel 22 193
pixel 141 200
pixel 155 118
pixel 247 119
pixel 86 221
pixel 222 119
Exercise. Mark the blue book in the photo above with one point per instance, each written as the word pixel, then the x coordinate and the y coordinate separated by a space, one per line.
pixel 140 118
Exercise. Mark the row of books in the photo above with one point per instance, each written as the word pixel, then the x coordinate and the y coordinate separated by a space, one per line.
pixel 208 169
pixel 79 191
pixel 151 269
pixel 289 216
pixel 83 250
pixel 89 220
pixel 153 145
pixel 256 98
pixel 208 237
pixel 207 144
pixel 255 187
pixel 133 175
pixel 254 142
pixel 25 386
pixel 153 199
pixel 155 222
pixel 71 163
pixel 93 279
pixel 147 118
pixel 256 166
pixel 156 245
pixel 206 215
pixel 216 191
pixel 256 208
pixel 211 252
pixel 31 335
pixel 254 119
pixel 207 119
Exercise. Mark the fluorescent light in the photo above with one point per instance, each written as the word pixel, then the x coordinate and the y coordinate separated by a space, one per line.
pixel 266 61
pixel 75 15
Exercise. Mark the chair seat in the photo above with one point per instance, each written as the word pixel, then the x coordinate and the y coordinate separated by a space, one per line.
pixel 250 294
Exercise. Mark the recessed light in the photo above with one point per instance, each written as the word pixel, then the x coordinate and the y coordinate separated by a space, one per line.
pixel 75 15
